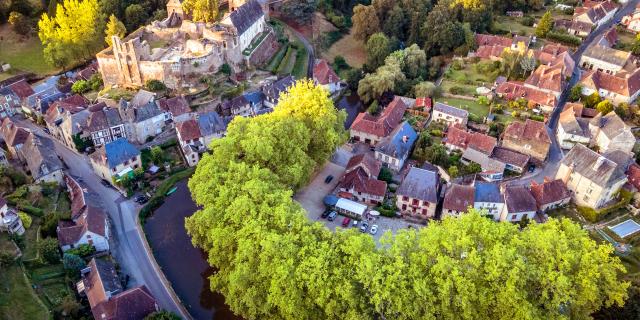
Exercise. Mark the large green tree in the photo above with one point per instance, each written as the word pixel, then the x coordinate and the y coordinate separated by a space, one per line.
pixel 275 264
pixel 441 31
pixel 365 22
pixel 544 25
pixel 299 10
pixel 378 48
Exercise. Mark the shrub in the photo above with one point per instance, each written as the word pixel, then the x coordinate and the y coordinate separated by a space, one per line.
pixel 72 262
pixel 436 133
pixel 564 38
pixel 83 250
pixel 80 86
pixel 31 210
pixel 48 249
pixel 155 85
pixel 537 117
pixel 226 69
pixel 528 21
pixel 26 219
pixel 385 175
pixel 457 65
pixel 374 108
pixel 456 90
pixel 340 63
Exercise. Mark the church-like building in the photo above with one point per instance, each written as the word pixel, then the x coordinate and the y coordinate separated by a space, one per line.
pixel 178 51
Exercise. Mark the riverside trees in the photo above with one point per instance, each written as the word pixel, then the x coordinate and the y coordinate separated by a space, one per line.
pixel 275 264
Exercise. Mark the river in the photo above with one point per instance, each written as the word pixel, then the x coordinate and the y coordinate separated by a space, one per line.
pixel 184 265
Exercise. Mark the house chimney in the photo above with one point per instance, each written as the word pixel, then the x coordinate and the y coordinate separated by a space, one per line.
pixel 598 163
pixel 405 139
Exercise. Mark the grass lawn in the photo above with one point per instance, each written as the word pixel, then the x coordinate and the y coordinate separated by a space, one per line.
pixel 31 239
pixel 18 300
pixel 470 105
pixel 22 54
pixel 467 79
pixel 351 49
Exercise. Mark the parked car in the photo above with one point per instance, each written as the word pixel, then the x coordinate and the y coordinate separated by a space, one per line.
pixel 374 229
pixel 328 179
pixel 332 216
pixel 355 223
pixel 532 168
pixel 105 183
pixel 325 214
pixel 363 227
pixel 345 222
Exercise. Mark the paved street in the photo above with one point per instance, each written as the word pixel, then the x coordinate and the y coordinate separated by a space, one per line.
pixel 128 241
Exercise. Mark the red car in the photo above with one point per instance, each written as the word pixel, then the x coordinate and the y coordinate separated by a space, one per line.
pixel 345 222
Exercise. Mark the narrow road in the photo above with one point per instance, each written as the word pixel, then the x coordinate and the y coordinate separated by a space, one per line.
pixel 555 152
pixel 129 242
pixel 310 52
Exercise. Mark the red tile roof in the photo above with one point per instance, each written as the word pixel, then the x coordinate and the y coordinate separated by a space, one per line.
pixel 623 84
pixel 463 139
pixel 176 105
pixel 132 304
pixel 423 102
pixel 492 40
pixel 549 192
pixel 13 134
pixel 359 181
pixel 487 52
pixel 366 161
pixel 92 220
pixel 533 131
pixel 459 198
pixel 513 90
pixel 22 89
pixel 77 195
pixel 383 125
pixel 189 130
pixel 323 73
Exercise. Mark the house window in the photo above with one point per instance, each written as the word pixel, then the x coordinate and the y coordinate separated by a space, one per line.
pixel 513 217
pixel 405 198
pixel 114 169
pixel 415 202
pixel 404 207
pixel 424 212
pixel 126 163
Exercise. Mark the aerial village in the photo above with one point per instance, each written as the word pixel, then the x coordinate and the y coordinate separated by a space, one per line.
pixel 538 119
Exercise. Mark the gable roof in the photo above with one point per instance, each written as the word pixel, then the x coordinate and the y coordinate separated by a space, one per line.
pixel 513 90
pixel 633 174
pixel 274 89
pixel 572 125
pixel 592 166
pixel 114 153
pixel 360 181
pixel 459 198
pixel 77 195
pixel 420 184
pixel 488 164
pixel 399 143
pixel 102 117
pixel 450 110
pixel 132 304
pixel 611 125
pixel 530 131
pixel 188 130
pixel 323 73
pixel 623 84
pixel 22 89
pixel 384 124
pixel 13 134
pixel 492 40
pixel 606 54
pixel 211 123
pixel 518 198
pixel 365 160
pixel 102 279
pixel 246 15
pixel 176 106
pixel 229 106
pixel 511 157
pixel 92 220
pixel 487 192
pixel 549 192
pixel 39 155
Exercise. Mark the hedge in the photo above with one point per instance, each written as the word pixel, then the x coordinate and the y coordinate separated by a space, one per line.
pixel 161 192
pixel 564 38
pixel 31 210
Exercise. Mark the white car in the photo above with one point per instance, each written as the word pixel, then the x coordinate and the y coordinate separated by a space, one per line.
pixel 374 229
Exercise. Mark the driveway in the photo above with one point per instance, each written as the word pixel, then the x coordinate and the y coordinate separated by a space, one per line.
pixel 129 245
pixel 311 196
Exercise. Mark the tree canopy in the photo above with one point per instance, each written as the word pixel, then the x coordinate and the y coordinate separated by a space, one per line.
pixel 202 10
pixel 273 263
pixel 115 27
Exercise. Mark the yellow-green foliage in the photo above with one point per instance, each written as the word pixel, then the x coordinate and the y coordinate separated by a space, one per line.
pixel 26 219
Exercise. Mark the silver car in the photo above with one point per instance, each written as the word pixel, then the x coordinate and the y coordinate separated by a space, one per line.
pixel 374 229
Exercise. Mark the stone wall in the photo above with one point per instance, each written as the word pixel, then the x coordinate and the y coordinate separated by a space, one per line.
pixel 265 50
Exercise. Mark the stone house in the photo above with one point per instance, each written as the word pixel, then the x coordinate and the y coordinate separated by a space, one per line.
pixel 513 160
pixel 238 106
pixel 394 149
pixel 595 13
pixel 273 91
pixel 360 180
pixel 536 98
pixel 632 20
pixel 572 129
pixel 550 194
pixel 519 204
pixel 115 159
pixel 417 195
pixel 323 75
pixel 610 133
pixel 593 179
pixel 9 219
pixel 41 160
pixel 617 88
pixel 551 77
pixel 460 139
pixel 177 107
pixel 144 120
pixel 371 129
pixel 605 59
pixel 530 138
pixel 90 228
pixel 212 126
pixel 449 115
pixel 54 116
pixel 488 197
pixel 73 126
pixel 191 141
pixel 492 169
pixel 457 200
pixel 14 137
pixel 108 299
pixel 104 124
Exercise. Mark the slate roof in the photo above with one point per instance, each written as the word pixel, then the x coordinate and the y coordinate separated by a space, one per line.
pixel 488 165
pixel 142 97
pixel 254 97
pixel 323 73
pixel 453 111
pixel 102 278
pixel 382 125
pixel 176 106
pixel 246 15
pixel 487 192
pixel 211 123
pixel 593 166
pixel 235 103
pixel 420 184
pixel 518 198
pixel 40 156
pixel 511 157
pixel 274 90
pixel 115 153
pixel 399 143
pixel 132 304
pixel 549 192
pixel 102 117
pixel 189 130
pixel 459 198
pixel 92 220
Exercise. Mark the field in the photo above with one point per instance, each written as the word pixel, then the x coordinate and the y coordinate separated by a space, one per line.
pixel 24 55
pixel 18 300
pixel 351 49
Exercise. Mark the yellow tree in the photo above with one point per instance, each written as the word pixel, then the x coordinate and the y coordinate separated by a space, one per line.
pixel 74 33
pixel 115 27
pixel 202 10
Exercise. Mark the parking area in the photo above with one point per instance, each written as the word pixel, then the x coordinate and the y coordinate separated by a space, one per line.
pixel 311 196
pixel 384 224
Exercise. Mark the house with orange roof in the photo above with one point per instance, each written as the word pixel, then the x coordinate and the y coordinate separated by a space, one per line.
pixel 529 137
pixel 360 181
pixel 372 129
pixel 324 76
pixel 617 88
pixel 551 78
pixel 595 13
pixel 513 90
